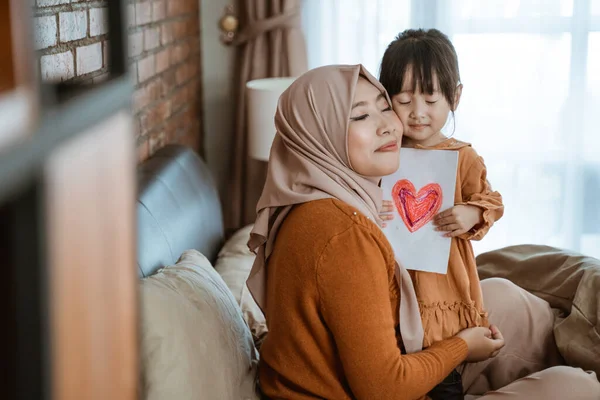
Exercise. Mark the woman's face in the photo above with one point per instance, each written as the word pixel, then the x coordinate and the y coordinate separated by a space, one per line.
pixel 374 133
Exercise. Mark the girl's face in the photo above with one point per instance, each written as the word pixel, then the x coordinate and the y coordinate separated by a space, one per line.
pixel 423 115
pixel 374 133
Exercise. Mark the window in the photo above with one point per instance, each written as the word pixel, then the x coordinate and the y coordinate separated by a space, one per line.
pixel 530 102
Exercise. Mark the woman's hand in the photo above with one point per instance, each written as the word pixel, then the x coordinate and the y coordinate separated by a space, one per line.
pixel 386 214
pixel 457 220
pixel 483 343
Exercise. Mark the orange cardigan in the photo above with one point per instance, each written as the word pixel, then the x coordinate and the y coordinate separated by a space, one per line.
pixel 452 302
pixel 332 314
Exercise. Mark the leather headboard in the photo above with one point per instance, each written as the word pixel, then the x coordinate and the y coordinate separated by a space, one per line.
pixel 178 209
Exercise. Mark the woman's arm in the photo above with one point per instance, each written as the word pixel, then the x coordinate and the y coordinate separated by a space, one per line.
pixel 353 285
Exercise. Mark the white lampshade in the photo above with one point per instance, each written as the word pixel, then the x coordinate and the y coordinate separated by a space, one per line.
pixel 263 95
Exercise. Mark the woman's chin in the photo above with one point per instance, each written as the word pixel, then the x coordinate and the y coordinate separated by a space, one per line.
pixel 388 169
pixel 380 166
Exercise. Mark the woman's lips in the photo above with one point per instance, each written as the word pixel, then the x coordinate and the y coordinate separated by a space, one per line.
pixel 389 147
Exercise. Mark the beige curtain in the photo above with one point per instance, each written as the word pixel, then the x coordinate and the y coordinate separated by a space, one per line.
pixel 271 44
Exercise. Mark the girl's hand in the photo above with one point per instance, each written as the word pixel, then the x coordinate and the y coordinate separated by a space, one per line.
pixel 386 214
pixel 458 220
pixel 483 343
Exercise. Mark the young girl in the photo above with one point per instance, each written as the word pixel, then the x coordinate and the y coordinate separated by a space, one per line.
pixel 420 72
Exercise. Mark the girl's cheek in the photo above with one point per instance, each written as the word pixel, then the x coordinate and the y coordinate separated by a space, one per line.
pixel 398 112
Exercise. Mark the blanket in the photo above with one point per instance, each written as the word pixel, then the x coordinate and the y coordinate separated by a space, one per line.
pixel 570 282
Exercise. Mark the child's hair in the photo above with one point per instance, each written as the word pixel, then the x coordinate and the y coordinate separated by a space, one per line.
pixel 426 52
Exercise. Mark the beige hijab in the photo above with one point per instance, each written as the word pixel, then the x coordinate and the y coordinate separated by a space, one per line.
pixel 309 161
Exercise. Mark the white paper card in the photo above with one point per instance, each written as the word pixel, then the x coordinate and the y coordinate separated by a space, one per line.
pixel 422 187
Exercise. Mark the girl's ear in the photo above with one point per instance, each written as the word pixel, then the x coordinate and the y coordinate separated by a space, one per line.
pixel 457 95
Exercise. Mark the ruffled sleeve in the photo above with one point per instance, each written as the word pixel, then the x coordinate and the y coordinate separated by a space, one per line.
pixel 477 191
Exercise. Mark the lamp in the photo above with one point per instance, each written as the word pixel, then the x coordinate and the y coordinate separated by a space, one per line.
pixel 263 95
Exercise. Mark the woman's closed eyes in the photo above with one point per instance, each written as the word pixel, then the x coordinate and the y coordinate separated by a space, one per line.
pixel 365 116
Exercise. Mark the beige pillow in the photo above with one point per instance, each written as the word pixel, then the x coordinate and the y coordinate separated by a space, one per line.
pixel 195 344
pixel 234 264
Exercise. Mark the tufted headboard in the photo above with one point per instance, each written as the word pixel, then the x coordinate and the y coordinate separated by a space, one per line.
pixel 178 209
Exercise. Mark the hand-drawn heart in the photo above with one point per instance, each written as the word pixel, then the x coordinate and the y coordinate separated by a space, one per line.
pixel 416 209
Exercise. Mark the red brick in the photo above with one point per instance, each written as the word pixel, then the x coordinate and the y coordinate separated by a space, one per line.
pixel 194 45
pixel 194 6
pixel 179 99
pixel 157 89
pixel 169 80
pixel 147 94
pixel 181 73
pixel 143 148
pixel 171 128
pixel 146 68
pixel 162 61
pixel 192 112
pixel 187 71
pixel 179 29
pixel 180 52
pixel 157 140
pixel 196 86
pixel 192 27
pixel 141 99
pixel 190 138
pixel 174 8
pixel 194 93
pixel 155 116
pixel 137 133
pixel 195 67
pixel 188 6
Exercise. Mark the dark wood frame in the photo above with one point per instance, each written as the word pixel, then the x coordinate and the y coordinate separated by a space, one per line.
pixel 47 353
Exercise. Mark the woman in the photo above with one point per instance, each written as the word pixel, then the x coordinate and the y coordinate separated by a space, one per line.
pixel 340 311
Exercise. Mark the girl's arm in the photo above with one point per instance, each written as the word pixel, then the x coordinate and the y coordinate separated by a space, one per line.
pixel 477 191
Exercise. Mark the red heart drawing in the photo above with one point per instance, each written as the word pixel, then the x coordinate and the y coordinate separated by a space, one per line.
pixel 416 209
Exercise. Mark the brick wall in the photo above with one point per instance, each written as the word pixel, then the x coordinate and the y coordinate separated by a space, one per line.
pixel 164 54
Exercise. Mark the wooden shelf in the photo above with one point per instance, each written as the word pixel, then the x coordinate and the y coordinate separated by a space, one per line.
pixel 19 100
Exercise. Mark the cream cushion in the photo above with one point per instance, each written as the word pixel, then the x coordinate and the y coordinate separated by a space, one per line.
pixel 234 264
pixel 195 344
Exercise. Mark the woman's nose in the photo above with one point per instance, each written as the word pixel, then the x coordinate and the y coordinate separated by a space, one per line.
pixel 385 127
